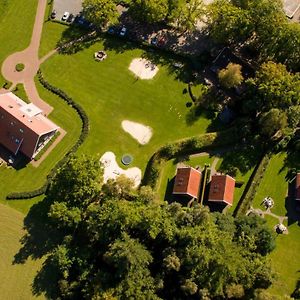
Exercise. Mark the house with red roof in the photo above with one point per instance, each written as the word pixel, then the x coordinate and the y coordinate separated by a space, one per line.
pixel 297 187
pixel 23 127
pixel 187 182
pixel 221 189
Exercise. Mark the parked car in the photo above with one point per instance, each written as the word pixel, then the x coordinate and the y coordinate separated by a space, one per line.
pixel 65 16
pixel 154 41
pixel 53 14
pixel 123 31
pixel 70 18
pixel 111 30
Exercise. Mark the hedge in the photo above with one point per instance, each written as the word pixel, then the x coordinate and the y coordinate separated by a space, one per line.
pixel 252 185
pixel 84 132
pixel 186 146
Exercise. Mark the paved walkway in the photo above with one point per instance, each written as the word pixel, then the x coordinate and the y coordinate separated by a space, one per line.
pixel 263 213
pixel 29 57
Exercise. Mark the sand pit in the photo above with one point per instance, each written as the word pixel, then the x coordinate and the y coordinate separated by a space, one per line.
pixel 138 131
pixel 143 68
pixel 112 169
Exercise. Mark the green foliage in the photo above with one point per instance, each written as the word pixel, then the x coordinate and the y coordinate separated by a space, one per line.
pixel 228 22
pixel 275 87
pixel 272 121
pixel 262 23
pixel 100 12
pixel 151 11
pixel 79 180
pixel 231 76
pixel 129 249
pixel 186 13
pixel 20 67
pixel 293 116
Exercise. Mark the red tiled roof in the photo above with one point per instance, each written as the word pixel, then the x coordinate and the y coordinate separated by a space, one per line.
pixel 21 125
pixel 221 189
pixel 298 186
pixel 187 182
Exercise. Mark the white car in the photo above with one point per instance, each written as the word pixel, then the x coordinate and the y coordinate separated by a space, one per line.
pixel 65 16
pixel 123 31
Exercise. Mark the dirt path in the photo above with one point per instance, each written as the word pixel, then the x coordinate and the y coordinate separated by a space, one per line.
pixel 28 57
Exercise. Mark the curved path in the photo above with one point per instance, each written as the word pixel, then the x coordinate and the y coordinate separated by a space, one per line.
pixel 29 57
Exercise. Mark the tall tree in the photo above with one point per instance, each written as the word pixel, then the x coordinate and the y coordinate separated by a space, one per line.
pixel 100 12
pixel 186 13
pixel 272 121
pixel 150 11
pixel 231 76
pixel 275 87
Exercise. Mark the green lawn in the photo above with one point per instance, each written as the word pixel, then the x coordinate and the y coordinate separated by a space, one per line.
pixel 286 261
pixel 16 23
pixel 243 160
pixel 169 171
pixel 29 177
pixel 286 256
pixel 51 34
pixel 110 93
pixel 274 184
pixel 16 279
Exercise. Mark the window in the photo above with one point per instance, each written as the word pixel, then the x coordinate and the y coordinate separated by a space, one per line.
pixel 17 141
pixel 12 123
pixel 21 130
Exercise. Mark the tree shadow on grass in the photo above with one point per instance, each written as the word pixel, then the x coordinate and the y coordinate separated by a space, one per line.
pixel 176 65
pixel 45 282
pixel 40 239
pixel 242 159
pixel 75 39
pixel 196 112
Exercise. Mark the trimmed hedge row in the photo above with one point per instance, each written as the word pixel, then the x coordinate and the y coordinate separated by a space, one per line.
pixel 186 146
pixel 84 132
pixel 251 188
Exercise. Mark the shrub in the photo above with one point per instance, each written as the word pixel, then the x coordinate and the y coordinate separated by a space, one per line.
pixel 20 67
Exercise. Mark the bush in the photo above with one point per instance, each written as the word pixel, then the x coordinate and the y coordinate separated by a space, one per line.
pixel 20 67
pixel 84 132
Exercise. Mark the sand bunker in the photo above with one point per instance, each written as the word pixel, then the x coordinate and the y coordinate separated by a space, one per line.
pixel 138 131
pixel 112 169
pixel 143 68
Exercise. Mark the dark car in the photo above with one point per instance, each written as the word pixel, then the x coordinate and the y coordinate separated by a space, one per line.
pixel 53 14
pixel 70 18
pixel 111 30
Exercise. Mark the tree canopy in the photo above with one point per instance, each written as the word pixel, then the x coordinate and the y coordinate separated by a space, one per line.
pixel 124 245
pixel 231 76
pixel 100 12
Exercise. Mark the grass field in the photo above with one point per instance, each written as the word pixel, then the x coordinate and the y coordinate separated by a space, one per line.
pixel 285 258
pixel 110 93
pixel 29 177
pixel 16 23
pixel 243 159
pixel 165 185
pixel 274 184
pixel 16 279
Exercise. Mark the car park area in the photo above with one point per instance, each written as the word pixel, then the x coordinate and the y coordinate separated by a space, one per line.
pixel 66 6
